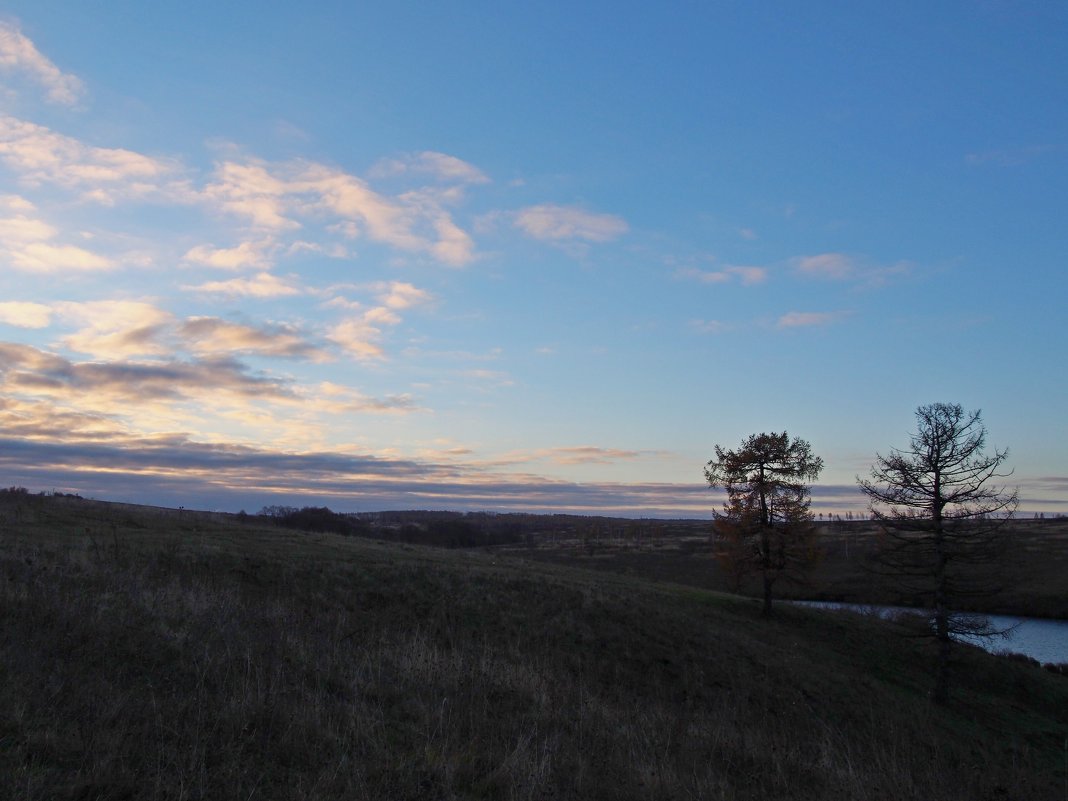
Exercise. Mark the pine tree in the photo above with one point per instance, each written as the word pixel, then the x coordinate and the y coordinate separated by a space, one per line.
pixel 765 526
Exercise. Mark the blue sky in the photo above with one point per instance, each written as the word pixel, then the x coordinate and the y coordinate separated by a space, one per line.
pixel 546 258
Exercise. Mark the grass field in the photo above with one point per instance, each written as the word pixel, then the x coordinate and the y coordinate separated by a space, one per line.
pixel 1035 569
pixel 149 653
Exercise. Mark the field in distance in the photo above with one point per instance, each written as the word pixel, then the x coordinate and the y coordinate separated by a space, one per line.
pixel 682 551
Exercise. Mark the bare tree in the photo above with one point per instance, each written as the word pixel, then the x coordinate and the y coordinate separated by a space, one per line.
pixel 766 526
pixel 942 514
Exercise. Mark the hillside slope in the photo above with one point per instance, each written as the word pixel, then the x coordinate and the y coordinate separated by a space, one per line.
pixel 151 654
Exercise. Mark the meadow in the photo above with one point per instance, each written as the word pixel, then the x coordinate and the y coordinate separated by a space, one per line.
pixel 1035 565
pixel 152 653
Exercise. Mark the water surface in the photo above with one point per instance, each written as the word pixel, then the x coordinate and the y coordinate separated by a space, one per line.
pixel 1040 638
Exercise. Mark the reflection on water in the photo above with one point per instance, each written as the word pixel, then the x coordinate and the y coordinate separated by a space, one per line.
pixel 1039 638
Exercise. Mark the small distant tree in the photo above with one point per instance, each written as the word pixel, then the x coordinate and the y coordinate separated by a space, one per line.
pixel 942 516
pixel 766 525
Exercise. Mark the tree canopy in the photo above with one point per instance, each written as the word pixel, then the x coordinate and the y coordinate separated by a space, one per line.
pixel 765 526
pixel 942 512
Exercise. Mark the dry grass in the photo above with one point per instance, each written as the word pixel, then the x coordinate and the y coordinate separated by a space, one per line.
pixel 150 655
pixel 1035 568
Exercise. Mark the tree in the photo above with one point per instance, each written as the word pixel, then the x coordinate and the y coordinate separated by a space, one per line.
pixel 765 526
pixel 942 516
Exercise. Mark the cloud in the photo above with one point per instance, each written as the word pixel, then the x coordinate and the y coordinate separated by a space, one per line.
pixel 25 315
pixel 103 175
pixel 277 196
pixel 453 246
pixel 747 275
pixel 120 328
pixel 174 468
pixel 401 295
pixel 441 166
pixel 360 333
pixel 796 319
pixel 250 190
pixel 589 454
pixel 211 336
pixel 22 229
pixel 709 326
pixel 263 285
pixel 357 337
pixel 247 254
pixel 16 203
pixel 568 456
pixel 97 386
pixel 415 223
pixel 333 251
pixel 24 243
pixel 116 328
pixel 549 222
pixel 840 267
pixel 19 54
pixel 832 266
pixel 495 378
pixel 341 400
pixel 1008 157
pixel 272 198
pixel 44 258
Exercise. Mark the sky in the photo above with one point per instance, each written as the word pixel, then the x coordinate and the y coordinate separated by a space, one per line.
pixel 523 257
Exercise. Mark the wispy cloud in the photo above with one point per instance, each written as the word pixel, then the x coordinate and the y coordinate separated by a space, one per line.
pixel 177 467
pixel 27 243
pixel 361 332
pixel 843 267
pixel 491 378
pixel 1007 157
pixel 249 190
pixel 272 199
pixel 569 223
pixel 103 175
pixel 19 55
pixel 211 336
pixel 246 255
pixel 709 326
pixel 107 385
pixel 25 315
pixel 569 455
pixel 590 454
pixel 833 266
pixel 262 285
pixel 358 337
pixel 46 258
pixel 21 228
pixel 277 196
pixel 796 319
pixel 341 400
pixel 439 166
pixel 115 328
pixel 400 295
pixel 748 276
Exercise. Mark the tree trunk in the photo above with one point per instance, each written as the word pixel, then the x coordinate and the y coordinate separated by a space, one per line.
pixel 941 692
pixel 766 612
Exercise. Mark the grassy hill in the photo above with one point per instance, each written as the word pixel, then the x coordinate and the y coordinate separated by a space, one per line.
pixel 147 653
pixel 1035 567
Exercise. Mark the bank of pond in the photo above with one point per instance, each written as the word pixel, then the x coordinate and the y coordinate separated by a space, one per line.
pixel 1041 639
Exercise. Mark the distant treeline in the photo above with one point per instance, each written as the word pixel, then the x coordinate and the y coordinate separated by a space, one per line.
pixel 478 529
pixel 442 529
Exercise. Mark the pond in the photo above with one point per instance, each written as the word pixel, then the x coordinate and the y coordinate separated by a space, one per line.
pixel 1039 638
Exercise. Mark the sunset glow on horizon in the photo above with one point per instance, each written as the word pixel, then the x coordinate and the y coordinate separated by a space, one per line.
pixel 538 259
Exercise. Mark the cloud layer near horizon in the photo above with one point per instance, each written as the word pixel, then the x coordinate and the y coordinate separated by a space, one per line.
pixel 175 470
